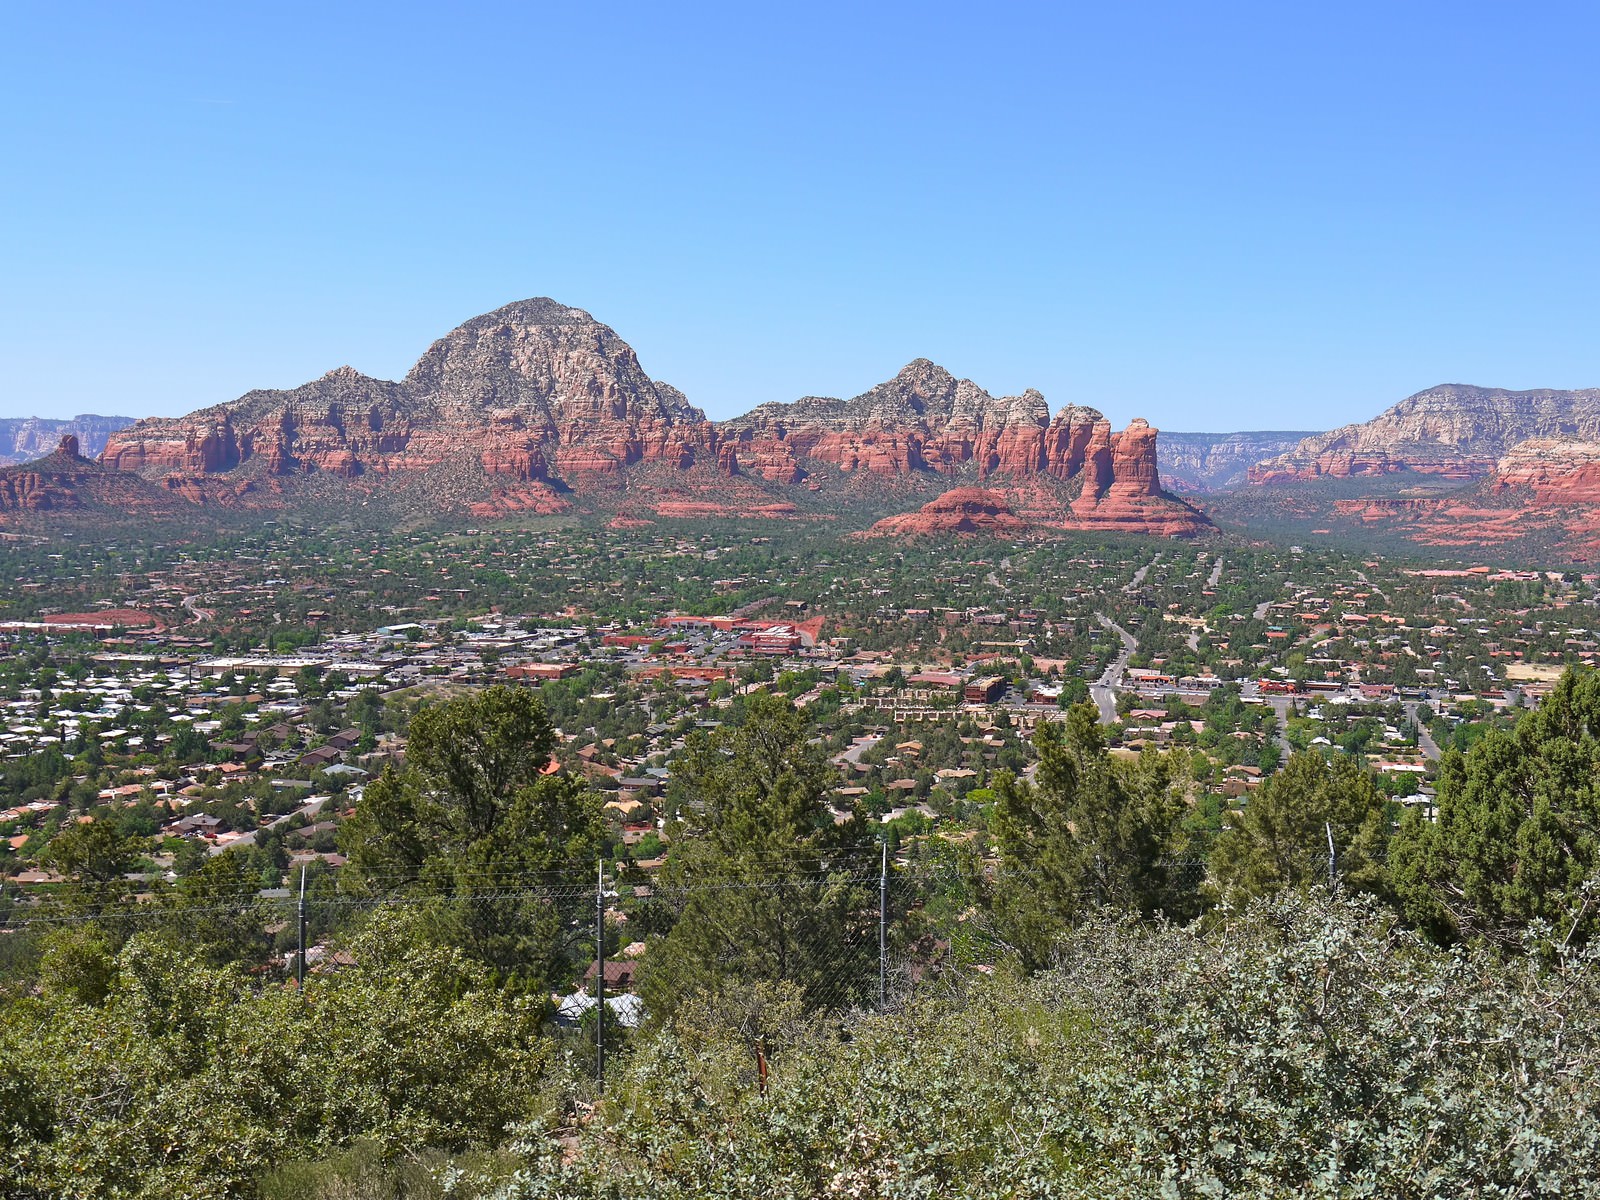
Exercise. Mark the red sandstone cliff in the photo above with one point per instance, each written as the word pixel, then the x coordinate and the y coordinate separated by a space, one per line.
pixel 960 510
pixel 536 406
pixel 63 481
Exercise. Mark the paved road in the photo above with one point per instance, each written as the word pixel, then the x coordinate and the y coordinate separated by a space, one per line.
pixel 1103 691
pixel 1138 576
pixel 1425 743
pixel 192 603
pixel 857 748
pixel 1216 576
pixel 1376 591
pixel 1280 705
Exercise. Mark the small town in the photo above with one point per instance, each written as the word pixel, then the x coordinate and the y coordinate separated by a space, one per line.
pixel 217 748
pixel 890 602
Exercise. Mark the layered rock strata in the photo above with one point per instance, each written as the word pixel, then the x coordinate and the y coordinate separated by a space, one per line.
pixel 966 510
pixel 1197 463
pixel 1453 431
pixel 23 439
pixel 543 406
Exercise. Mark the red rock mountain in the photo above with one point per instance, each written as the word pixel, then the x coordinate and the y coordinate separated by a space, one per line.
pixel 1453 431
pixel 960 510
pixel 538 407
pixel 65 481
pixel 1542 496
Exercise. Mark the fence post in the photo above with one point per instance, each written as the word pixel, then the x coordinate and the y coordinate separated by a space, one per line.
pixel 600 974
pixel 1333 858
pixel 883 928
pixel 300 941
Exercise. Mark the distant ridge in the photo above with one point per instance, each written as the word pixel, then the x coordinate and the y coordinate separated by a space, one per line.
pixel 537 407
pixel 23 439
pixel 1456 431
pixel 1211 462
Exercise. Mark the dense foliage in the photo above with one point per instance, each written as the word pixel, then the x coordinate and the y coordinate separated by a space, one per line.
pixel 1311 1047
pixel 1071 1015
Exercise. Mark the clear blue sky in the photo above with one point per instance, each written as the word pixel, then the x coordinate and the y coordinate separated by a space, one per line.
pixel 1217 216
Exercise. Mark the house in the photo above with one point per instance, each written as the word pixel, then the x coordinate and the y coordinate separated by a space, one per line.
pixel 320 757
pixel 196 825
pixel 542 671
pixel 986 689
pixel 619 975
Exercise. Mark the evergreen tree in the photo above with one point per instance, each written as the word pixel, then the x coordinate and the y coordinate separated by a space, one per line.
pixel 772 888
pixel 96 857
pixel 1518 832
pixel 1091 832
pixel 475 823
pixel 1280 838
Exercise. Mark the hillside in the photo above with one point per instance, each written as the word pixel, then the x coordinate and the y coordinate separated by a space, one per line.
pixel 1211 462
pixel 537 407
pixel 1455 431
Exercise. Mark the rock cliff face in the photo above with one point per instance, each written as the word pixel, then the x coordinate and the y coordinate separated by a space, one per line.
pixel 960 510
pixel 65 481
pixel 924 419
pixel 1540 500
pixel 1555 470
pixel 23 439
pixel 1453 431
pixel 537 406
pixel 1196 463
pixel 530 391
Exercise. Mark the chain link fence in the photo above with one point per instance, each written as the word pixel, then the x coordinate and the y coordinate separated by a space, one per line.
pixel 851 933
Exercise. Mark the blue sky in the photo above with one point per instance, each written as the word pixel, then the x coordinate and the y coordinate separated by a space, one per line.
pixel 1217 216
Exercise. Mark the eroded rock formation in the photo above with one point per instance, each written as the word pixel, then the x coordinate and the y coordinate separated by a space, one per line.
pixel 1195 463
pixel 23 439
pixel 536 406
pixel 960 510
pixel 1452 431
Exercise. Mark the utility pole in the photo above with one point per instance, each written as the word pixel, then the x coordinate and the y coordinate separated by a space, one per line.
pixel 883 928
pixel 600 973
pixel 300 958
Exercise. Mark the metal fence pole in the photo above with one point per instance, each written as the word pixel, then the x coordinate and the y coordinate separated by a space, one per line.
pixel 300 941
pixel 600 974
pixel 883 928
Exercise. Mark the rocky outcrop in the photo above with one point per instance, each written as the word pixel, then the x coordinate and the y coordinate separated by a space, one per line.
pixel 924 419
pixel 964 510
pixel 1553 470
pixel 529 391
pixel 1453 431
pixel 1197 463
pixel 1122 486
pixel 537 406
pixel 64 481
pixel 23 439
pixel 1541 499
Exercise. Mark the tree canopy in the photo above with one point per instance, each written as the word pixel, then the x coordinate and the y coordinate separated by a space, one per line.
pixel 1517 840
pixel 1090 832
pixel 764 882
pixel 476 823
pixel 1279 839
